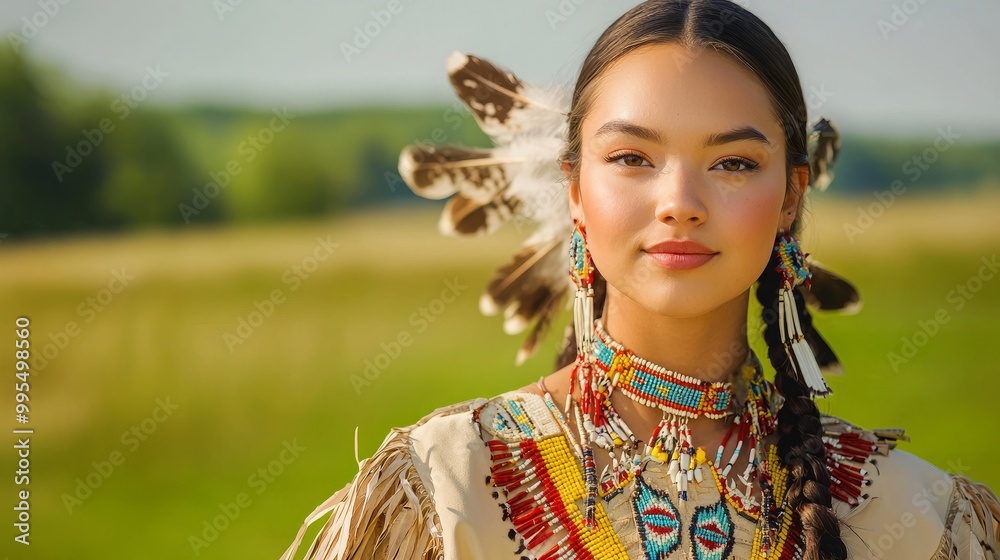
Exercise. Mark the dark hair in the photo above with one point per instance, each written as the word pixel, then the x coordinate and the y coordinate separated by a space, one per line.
pixel 731 29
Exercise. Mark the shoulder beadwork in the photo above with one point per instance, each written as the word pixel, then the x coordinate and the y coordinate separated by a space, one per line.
pixel 898 505
pixel 852 456
pixel 538 481
pixel 515 416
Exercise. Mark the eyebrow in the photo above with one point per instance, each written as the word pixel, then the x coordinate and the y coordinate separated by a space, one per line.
pixel 632 129
pixel 716 139
pixel 735 135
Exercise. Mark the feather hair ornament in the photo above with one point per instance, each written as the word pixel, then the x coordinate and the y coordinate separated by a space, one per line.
pixel 823 147
pixel 519 179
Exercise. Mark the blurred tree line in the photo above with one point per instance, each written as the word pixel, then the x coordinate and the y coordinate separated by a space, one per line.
pixel 73 160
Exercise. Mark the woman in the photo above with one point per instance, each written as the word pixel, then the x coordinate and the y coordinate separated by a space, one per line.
pixel 658 436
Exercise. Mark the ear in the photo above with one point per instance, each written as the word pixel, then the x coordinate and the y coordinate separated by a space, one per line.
pixel 793 196
pixel 575 200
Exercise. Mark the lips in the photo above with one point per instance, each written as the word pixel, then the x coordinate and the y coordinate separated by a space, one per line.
pixel 680 254
pixel 683 247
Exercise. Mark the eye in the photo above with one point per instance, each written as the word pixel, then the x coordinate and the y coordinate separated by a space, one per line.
pixel 631 159
pixel 732 165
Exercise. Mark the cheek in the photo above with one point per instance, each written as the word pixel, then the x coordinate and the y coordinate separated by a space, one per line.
pixel 613 217
pixel 754 224
pixel 754 214
pixel 611 210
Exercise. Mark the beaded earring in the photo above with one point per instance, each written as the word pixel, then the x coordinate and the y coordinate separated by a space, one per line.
pixel 794 272
pixel 581 271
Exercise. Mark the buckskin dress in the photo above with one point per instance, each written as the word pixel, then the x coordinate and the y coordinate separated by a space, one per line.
pixel 432 491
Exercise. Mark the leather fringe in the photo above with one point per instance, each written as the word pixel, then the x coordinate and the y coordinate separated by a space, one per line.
pixel 972 530
pixel 384 513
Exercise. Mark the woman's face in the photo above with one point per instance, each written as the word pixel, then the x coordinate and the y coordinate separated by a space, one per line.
pixel 681 145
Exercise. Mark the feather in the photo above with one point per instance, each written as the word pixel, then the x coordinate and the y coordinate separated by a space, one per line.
pixel 437 172
pixel 501 103
pixel 519 180
pixel 496 182
pixel 542 326
pixel 824 145
pixel 830 292
pixel 972 529
pixel 828 362
pixel 516 314
pixel 529 287
pixel 531 267
pixel 462 216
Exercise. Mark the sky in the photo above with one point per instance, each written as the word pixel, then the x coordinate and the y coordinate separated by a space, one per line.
pixel 895 67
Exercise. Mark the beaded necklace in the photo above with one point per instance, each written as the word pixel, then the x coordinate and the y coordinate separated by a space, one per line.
pixel 612 366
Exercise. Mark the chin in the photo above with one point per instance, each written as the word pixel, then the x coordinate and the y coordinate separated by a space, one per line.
pixel 687 301
pixel 678 306
pixel 685 310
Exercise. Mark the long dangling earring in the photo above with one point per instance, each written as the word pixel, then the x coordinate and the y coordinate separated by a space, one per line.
pixel 582 273
pixel 794 272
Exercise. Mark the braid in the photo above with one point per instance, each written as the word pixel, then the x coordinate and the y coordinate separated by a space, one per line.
pixel 800 444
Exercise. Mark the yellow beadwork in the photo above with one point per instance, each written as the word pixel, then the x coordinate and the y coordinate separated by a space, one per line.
pixel 779 480
pixel 658 453
pixel 566 473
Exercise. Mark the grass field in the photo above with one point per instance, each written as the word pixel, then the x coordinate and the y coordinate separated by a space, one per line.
pixel 157 414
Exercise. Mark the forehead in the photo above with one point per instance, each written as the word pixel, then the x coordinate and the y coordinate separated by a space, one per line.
pixel 682 91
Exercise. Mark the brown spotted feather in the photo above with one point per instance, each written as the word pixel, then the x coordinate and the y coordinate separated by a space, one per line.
pixel 824 145
pixel 463 216
pixel 831 292
pixel 491 93
pixel 437 172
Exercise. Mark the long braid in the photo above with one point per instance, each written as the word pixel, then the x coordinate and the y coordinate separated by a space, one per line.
pixel 800 444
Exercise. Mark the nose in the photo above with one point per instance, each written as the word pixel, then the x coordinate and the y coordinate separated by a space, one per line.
pixel 679 195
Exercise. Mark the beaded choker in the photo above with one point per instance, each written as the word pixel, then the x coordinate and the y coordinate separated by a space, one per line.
pixel 656 386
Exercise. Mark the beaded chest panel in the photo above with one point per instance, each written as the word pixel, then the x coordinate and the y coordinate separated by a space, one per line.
pixel 538 481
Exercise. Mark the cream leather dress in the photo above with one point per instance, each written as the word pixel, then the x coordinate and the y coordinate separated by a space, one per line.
pixel 427 493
